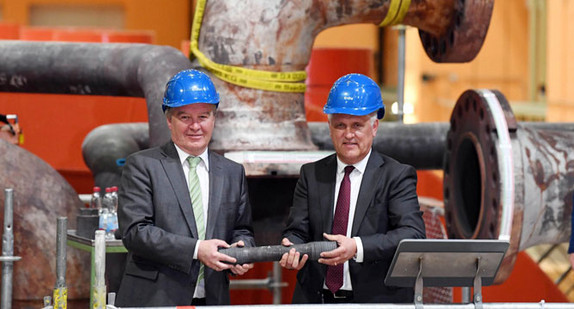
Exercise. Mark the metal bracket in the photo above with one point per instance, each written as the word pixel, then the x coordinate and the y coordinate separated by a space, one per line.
pixel 5 258
pixel 419 286
pixel 477 286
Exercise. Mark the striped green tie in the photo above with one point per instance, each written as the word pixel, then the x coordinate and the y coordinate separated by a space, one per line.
pixel 196 203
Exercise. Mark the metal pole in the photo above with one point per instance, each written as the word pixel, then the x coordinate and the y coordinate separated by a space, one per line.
pixel 60 289
pixel 465 294
pixel 99 288
pixel 7 257
pixel 401 73
pixel 277 285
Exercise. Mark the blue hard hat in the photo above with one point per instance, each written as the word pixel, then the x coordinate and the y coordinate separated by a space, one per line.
pixel 355 94
pixel 188 87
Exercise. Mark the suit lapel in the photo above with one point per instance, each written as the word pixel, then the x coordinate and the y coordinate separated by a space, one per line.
pixel 176 177
pixel 216 181
pixel 367 190
pixel 327 192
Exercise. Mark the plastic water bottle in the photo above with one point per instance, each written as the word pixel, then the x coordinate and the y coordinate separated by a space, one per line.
pixel 96 200
pixel 115 199
pixel 114 212
pixel 108 217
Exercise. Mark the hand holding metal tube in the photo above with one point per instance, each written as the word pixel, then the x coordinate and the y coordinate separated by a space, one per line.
pixel 246 255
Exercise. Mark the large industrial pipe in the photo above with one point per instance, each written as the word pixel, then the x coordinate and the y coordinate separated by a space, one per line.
pixel 400 141
pixel 504 179
pixel 451 31
pixel 136 70
pixel 106 147
pixel 249 119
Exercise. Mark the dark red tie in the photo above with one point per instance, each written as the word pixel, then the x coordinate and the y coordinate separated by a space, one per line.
pixel 334 280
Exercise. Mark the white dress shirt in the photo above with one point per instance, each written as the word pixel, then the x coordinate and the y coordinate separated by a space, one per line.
pixel 356 177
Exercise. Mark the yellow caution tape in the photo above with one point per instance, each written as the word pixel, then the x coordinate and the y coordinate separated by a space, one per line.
pixel 264 80
pixel 397 11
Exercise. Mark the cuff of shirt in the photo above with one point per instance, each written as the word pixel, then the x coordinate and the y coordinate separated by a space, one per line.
pixel 196 249
pixel 359 256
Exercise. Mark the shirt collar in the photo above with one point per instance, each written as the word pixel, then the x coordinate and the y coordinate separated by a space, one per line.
pixel 183 156
pixel 359 166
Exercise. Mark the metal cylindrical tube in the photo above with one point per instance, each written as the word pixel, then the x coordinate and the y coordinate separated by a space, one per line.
pixel 401 74
pixel 277 283
pixel 504 179
pixel 99 283
pixel 60 289
pixel 7 249
pixel 106 148
pixel 245 255
pixel 115 69
pixel 399 141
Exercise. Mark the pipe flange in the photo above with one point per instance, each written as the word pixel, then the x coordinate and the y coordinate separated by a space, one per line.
pixel 473 195
pixel 462 41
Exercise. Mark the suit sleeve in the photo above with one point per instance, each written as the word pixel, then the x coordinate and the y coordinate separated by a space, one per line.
pixel 404 218
pixel 297 230
pixel 243 228
pixel 144 226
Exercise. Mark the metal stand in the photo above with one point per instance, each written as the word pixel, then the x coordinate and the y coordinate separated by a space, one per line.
pixel 97 283
pixel 446 263
pixel 7 257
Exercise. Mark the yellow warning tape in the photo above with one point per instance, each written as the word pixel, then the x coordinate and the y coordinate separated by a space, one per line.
pixel 264 80
pixel 397 11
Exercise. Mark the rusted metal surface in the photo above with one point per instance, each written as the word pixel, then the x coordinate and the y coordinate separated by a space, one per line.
pixel 40 196
pixel 457 30
pixel 548 159
pixel 541 173
pixel 278 36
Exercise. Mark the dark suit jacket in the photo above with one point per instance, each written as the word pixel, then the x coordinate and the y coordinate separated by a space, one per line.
pixel 387 211
pixel 158 227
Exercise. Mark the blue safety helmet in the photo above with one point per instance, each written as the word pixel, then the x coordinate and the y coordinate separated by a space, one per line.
pixel 355 94
pixel 188 87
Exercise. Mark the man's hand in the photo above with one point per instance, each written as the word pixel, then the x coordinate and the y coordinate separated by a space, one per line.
pixel 240 269
pixel 291 259
pixel 209 255
pixel 346 250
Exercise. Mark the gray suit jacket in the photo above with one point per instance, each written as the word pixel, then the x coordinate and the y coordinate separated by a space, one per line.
pixel 387 211
pixel 158 227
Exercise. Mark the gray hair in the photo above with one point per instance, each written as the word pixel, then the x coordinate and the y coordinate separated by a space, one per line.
pixel 168 111
pixel 373 117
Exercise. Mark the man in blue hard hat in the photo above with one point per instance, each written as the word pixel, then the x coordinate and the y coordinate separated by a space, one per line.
pixel 179 203
pixel 363 200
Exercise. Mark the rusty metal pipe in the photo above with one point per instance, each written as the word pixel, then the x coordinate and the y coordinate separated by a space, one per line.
pixel 529 201
pixel 42 195
pixel 284 31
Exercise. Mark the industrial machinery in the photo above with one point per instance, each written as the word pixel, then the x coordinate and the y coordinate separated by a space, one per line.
pixel 498 172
